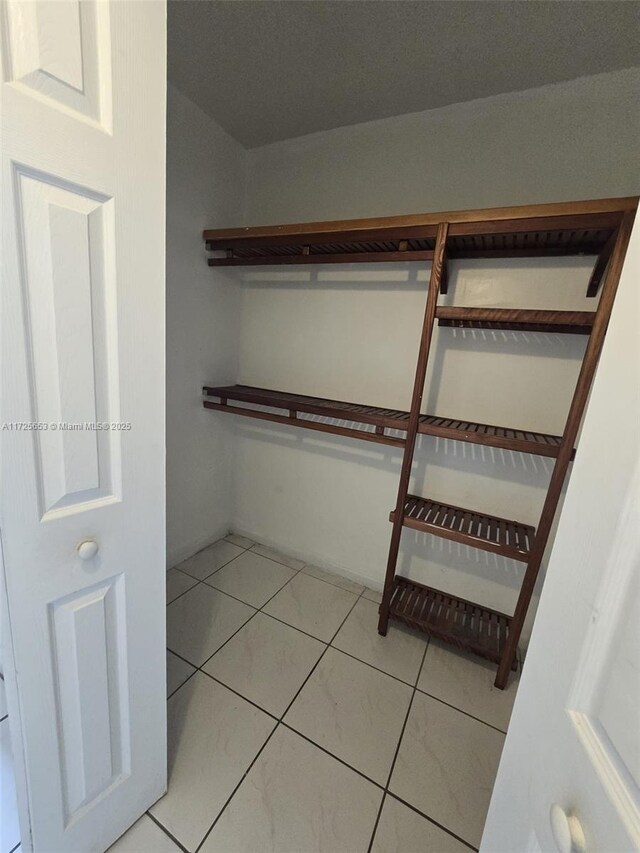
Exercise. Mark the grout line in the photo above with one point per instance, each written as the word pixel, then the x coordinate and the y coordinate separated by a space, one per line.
pixel 256 610
pixel 431 820
pixel 377 668
pixel 197 583
pixel 277 725
pixel 329 642
pixel 200 668
pixel 177 565
pixel 211 586
pixel 293 627
pixel 397 750
pixel 166 831
pixel 332 754
pixel 461 711
pixel 233 793
pixel 280 720
pixel 250 701
pixel 320 658
pixel 188 678
pixel 228 638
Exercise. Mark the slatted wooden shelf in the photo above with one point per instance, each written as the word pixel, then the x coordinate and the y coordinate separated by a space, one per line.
pixel 542 230
pixel 488 532
pixel 517 319
pixel 461 623
pixel 523 441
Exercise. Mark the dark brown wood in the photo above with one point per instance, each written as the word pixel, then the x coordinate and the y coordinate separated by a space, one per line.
pixel 376 438
pixel 506 438
pixel 574 418
pixel 461 623
pixel 600 266
pixel 573 211
pixel 516 319
pixel 576 228
pixel 444 276
pixel 414 419
pixel 565 228
pixel 341 258
pixel 502 536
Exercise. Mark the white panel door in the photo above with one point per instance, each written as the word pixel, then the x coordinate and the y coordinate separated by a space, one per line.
pixel 82 434
pixel 569 778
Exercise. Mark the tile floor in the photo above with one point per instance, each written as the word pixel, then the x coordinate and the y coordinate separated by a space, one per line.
pixel 294 727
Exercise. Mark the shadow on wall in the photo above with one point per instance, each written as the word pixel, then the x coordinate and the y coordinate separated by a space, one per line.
pixel 522 468
pixel 436 460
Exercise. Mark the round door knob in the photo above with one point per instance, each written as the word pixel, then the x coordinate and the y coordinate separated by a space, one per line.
pixel 567 831
pixel 87 549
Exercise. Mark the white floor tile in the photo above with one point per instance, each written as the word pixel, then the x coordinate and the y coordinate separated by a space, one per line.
pixel 401 830
pixel 240 541
pixel 312 606
pixel 213 737
pixel 446 766
pixel 267 662
pixel 177 583
pixel 251 578
pixel 399 653
pixel 209 560
pixel 201 620
pixel 178 671
pixel 466 681
pixel 297 799
pixel 144 837
pixel 353 711
pixel 9 826
pixel 372 595
pixel 332 577
pixel 279 557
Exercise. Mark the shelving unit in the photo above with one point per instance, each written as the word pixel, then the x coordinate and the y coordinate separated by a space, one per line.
pixel 599 228
pixel 538 443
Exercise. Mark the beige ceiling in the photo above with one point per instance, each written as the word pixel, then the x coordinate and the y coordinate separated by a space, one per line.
pixel 276 69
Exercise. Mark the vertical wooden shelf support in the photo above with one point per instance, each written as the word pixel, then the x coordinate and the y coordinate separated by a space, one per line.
pixel 435 278
pixel 576 410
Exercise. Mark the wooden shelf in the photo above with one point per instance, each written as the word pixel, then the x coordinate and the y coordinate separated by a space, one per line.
pixel 487 532
pixel 517 319
pixel 462 623
pixel 522 441
pixel 581 228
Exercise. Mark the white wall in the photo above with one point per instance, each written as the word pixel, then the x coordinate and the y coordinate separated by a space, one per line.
pixel 206 171
pixel 353 333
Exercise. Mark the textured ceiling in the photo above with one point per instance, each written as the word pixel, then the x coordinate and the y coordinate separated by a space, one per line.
pixel 271 70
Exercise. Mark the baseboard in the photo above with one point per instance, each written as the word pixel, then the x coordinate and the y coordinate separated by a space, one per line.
pixel 180 553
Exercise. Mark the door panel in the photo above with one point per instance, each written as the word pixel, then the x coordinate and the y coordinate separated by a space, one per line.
pixel 91 692
pixel 61 52
pixel 570 769
pixel 67 243
pixel 83 169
